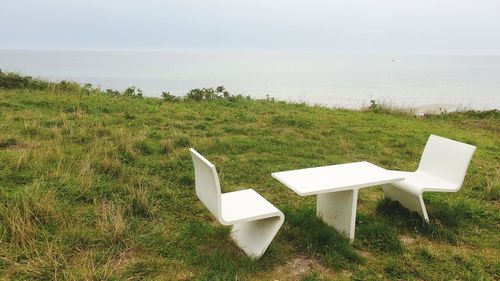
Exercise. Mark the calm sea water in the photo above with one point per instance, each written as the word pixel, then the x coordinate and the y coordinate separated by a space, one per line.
pixel 333 80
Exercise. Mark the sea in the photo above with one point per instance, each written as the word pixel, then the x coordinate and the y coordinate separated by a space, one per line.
pixel 316 78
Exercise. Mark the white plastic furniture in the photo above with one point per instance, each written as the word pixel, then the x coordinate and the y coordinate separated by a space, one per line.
pixel 337 189
pixel 255 221
pixel 442 168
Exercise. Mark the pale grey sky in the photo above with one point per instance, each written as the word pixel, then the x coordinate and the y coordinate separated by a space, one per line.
pixel 350 26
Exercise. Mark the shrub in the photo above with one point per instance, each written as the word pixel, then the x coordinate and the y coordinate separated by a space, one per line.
pixel 208 94
pixel 133 92
pixel 67 86
pixel 16 81
pixel 222 91
pixel 201 94
pixel 167 96
pixel 11 81
pixel 112 92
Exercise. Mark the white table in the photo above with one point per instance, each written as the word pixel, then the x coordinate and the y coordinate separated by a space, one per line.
pixel 337 189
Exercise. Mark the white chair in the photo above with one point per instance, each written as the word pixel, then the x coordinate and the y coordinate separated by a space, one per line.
pixel 442 168
pixel 255 221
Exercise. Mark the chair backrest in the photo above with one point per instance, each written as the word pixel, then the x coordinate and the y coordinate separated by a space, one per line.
pixel 207 183
pixel 446 159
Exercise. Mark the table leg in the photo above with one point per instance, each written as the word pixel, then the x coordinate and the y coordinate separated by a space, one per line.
pixel 338 209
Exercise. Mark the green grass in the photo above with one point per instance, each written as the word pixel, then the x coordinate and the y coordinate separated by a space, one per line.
pixel 101 186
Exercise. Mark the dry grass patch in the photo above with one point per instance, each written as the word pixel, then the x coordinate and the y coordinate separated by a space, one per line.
pixel 27 212
pixel 46 262
pixel 298 268
pixel 111 222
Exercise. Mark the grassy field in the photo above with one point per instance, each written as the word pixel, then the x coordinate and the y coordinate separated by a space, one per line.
pixel 101 187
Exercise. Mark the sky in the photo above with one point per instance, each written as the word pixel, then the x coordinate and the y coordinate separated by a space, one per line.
pixel 350 26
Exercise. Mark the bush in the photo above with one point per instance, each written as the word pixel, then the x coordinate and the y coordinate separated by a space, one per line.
pixel 11 81
pixel 376 107
pixel 15 81
pixel 167 96
pixel 201 94
pixel 222 91
pixel 208 94
pixel 132 92
pixel 68 86
pixel 112 92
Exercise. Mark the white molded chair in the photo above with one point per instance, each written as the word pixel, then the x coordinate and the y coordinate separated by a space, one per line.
pixel 255 221
pixel 442 168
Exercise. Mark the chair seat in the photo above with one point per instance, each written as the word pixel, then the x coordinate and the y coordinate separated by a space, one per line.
pixel 418 182
pixel 243 205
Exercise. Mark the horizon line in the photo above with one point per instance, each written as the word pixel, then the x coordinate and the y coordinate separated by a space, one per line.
pixel 222 50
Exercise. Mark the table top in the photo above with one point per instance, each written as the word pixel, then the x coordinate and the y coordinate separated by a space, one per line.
pixel 334 178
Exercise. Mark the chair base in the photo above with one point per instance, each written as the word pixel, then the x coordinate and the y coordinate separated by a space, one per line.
pixel 410 201
pixel 254 237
